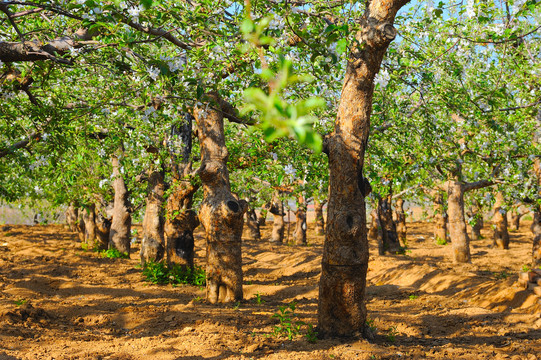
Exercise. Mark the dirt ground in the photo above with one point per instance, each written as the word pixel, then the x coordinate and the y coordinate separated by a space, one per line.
pixel 58 301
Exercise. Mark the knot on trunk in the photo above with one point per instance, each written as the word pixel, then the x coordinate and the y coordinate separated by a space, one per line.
pixel 377 33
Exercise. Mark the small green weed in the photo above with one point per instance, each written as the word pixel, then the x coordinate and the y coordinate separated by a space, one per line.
pixel 113 254
pixel 160 273
pixel 257 299
pixel 20 302
pixel 413 297
pixel 441 241
pixel 371 325
pixel 290 326
pixel 502 275
pixel 84 246
pixel 391 334
pixel 526 268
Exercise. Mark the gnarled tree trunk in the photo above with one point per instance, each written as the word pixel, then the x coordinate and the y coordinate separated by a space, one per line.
pixel 514 216
pixel 221 214
pixel 536 224
pixel 401 228
pixel 80 225
pixel 121 225
pixel 477 219
pixel 152 244
pixel 342 303
pixel 252 224
pixel 278 226
pixel 501 235
pixel 300 222
pixel 103 227
pixel 181 220
pixel 440 218
pixel 320 220
pixel 374 233
pixel 262 216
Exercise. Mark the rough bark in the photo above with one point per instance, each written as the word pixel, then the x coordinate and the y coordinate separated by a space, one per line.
pixel 401 228
pixel 181 220
pixel 440 219
pixel 389 239
pixel 121 225
pixel 262 216
pixel 89 219
pixel 457 222
pixel 278 226
pixel 103 229
pixel 221 213
pixel 299 234
pixel 320 220
pixel 342 303
pixel 80 225
pixel 72 216
pixel 501 235
pixel 536 232
pixel 153 243
pixel 252 224
pixel 514 216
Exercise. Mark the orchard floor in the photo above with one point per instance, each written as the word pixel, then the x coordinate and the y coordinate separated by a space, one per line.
pixel 60 302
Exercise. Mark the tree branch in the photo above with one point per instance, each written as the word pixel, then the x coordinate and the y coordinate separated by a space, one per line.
pixel 478 185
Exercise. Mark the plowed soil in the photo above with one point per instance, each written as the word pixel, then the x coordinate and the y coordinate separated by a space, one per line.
pixel 58 301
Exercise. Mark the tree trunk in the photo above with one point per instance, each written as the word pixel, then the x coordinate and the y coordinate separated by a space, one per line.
pixel 501 235
pixel 401 228
pixel 121 225
pixel 152 244
pixel 278 226
pixel 253 225
pixel 536 232
pixel 89 219
pixel 514 218
pixel 80 225
pixel 477 219
pixel 103 228
pixel 181 220
pixel 72 216
pixel 320 220
pixel 374 233
pixel 221 214
pixel 299 234
pixel 262 217
pixel 389 239
pixel 440 219
pixel 457 222
pixel 342 303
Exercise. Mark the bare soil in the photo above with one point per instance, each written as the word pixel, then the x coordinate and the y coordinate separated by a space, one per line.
pixel 58 301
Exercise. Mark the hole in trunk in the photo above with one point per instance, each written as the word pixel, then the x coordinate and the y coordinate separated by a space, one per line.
pixel 233 206
pixel 349 221
pixel 184 245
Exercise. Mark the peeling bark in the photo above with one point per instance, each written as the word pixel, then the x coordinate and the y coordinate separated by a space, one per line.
pixel 342 303
pixel 121 225
pixel 320 220
pixel 221 213
pixel 278 226
pixel 501 235
pixel 401 228
pixel 152 244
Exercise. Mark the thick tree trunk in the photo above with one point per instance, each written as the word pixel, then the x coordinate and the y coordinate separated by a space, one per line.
pixel 181 220
pixel 221 214
pixel 300 223
pixel 457 222
pixel 152 244
pixel 121 226
pixel 389 239
pixel 514 219
pixel 477 219
pixel 253 225
pixel 501 235
pixel 103 230
pixel 342 303
pixel 80 225
pixel 72 216
pixel 320 220
pixel 440 219
pixel 400 215
pixel 89 219
pixel 278 226
pixel 536 232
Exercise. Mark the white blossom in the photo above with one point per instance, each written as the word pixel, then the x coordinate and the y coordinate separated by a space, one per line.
pixel 153 72
pixel 134 12
pixel 290 170
pixel 382 78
